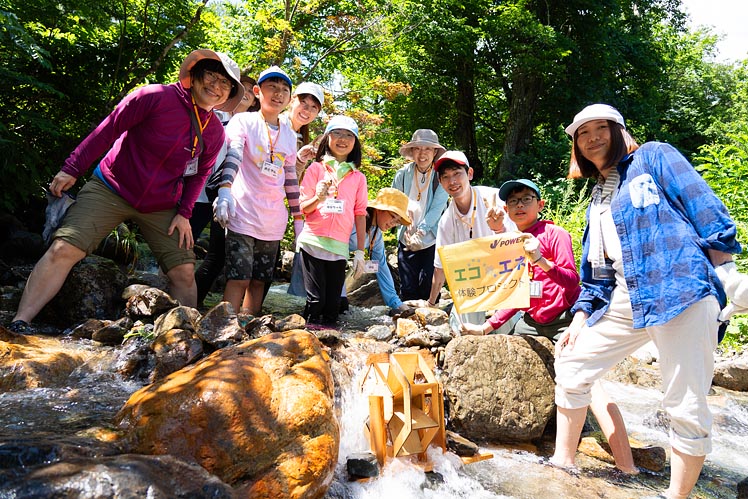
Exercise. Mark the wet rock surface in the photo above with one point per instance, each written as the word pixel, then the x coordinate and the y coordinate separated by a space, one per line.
pixel 500 388
pixel 259 415
pixel 59 396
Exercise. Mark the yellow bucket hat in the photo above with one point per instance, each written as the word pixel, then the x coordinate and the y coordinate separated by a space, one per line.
pixel 390 199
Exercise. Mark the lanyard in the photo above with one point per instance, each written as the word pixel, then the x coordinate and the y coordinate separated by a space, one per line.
pixel 472 218
pixel 199 124
pixel 270 140
pixel 372 234
pixel 415 180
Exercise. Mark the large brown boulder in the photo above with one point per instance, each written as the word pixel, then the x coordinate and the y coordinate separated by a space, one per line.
pixel 732 374
pixel 36 361
pixel 92 290
pixel 259 415
pixel 500 388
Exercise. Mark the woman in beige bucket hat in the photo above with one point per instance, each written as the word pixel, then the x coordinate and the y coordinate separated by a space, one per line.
pixel 427 200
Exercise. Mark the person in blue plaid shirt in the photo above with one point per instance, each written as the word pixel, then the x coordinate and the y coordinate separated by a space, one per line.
pixel 656 264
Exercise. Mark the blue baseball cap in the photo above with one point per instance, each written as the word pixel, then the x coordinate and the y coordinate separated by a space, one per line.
pixel 274 72
pixel 341 122
pixel 507 187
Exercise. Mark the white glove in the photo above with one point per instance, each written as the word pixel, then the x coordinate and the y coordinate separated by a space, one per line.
pixel 322 188
pixel 224 206
pixel 735 283
pixel 415 240
pixel 358 263
pixel 532 248
pixel 298 226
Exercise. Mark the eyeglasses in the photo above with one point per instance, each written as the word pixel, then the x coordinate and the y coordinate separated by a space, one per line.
pixel 342 134
pixel 210 78
pixel 525 200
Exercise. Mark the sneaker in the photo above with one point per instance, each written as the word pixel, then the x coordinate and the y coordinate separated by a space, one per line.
pixel 20 327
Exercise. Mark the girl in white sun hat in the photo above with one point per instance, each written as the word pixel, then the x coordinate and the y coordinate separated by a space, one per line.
pixel 333 199
pixel 656 262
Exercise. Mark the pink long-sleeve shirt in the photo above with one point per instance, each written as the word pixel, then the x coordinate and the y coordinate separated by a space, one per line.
pixel 561 286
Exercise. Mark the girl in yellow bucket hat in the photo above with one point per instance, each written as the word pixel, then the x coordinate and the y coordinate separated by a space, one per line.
pixel 388 210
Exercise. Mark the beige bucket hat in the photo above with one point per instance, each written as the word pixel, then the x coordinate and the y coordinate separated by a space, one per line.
pixel 423 137
pixel 232 69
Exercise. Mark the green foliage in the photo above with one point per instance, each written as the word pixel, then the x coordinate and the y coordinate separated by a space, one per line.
pixel 144 332
pixel 566 203
pixel 65 64
pixel 736 337
pixel 724 166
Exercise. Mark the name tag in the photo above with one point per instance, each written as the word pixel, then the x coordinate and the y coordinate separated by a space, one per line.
pixel 371 267
pixel 536 289
pixel 190 168
pixel 605 272
pixel 332 205
pixel 269 169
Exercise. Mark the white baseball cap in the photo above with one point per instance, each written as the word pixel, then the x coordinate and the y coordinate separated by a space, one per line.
pixel 341 122
pixel 312 89
pixel 595 112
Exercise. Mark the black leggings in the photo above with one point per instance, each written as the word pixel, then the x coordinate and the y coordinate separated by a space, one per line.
pixel 323 280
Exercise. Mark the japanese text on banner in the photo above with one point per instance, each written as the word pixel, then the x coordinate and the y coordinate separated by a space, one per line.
pixel 488 273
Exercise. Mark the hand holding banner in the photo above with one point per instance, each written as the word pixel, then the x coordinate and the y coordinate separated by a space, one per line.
pixel 488 273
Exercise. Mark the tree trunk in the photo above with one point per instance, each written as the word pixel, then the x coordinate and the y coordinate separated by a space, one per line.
pixel 526 89
pixel 465 104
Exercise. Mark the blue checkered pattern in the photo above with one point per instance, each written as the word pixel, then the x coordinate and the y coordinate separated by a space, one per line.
pixel 666 217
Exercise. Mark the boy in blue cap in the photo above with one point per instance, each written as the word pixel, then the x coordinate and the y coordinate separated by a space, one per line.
pixel 259 174
pixel 553 269
pixel 554 288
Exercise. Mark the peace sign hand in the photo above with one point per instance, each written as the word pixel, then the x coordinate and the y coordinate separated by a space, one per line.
pixel 495 215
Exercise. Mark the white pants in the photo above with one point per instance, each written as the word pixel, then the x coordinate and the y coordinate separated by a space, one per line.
pixel 686 345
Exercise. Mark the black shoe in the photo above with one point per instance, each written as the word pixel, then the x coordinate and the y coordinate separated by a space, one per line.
pixel 344 305
pixel 20 327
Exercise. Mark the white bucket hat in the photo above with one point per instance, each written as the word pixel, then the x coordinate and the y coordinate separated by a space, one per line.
pixel 423 137
pixel 595 112
pixel 232 69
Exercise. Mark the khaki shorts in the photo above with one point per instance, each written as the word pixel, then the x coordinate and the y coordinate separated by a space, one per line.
pixel 249 258
pixel 99 210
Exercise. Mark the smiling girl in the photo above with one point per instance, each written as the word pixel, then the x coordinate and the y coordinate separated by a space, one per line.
pixel 334 199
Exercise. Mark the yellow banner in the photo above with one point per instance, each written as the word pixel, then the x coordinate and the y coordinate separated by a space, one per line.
pixel 487 273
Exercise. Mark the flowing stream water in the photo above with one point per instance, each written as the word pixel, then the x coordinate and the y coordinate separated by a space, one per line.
pixel 80 413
